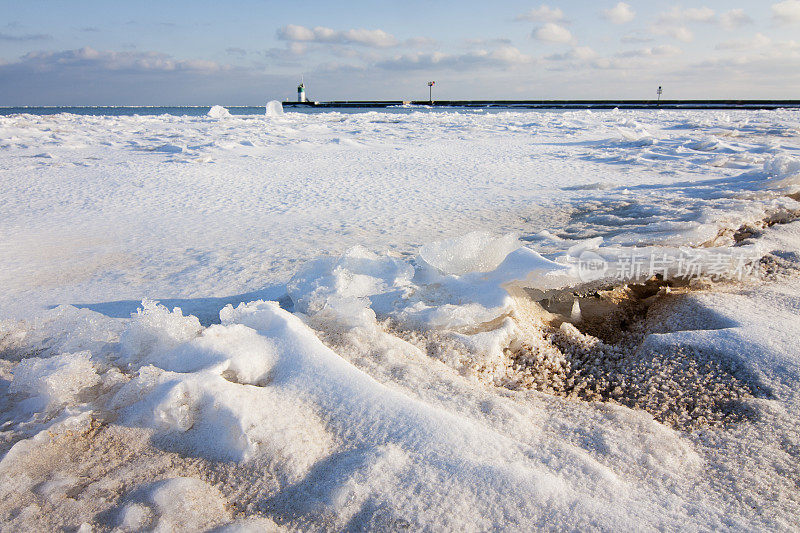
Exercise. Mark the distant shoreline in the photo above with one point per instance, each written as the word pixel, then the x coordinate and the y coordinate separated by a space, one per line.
pixel 564 104
pixel 399 105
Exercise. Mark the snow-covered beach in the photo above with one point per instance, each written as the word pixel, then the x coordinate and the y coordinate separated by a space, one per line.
pixel 386 321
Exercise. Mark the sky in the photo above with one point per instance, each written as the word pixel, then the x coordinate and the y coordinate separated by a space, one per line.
pixel 246 52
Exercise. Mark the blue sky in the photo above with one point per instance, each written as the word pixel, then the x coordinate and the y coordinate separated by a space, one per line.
pixel 247 52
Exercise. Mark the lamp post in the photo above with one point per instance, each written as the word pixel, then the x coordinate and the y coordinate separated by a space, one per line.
pixel 430 90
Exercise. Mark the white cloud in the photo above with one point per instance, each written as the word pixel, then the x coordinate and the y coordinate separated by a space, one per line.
pixel 679 15
pixel 735 18
pixel 509 55
pixel 297 49
pixel 320 34
pixel 786 12
pixel 420 42
pixel 640 59
pixel 583 53
pixel 503 57
pixel 485 42
pixel 579 53
pixel 292 32
pixel 620 13
pixel 673 23
pixel 88 76
pixel 542 13
pixel 293 51
pixel 780 58
pixel 759 40
pixel 553 33
pixel 654 51
pixel 680 33
pixel 88 57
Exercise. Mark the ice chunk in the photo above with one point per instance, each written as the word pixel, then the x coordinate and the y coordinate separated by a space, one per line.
pixel 64 329
pixel 586 245
pixel 576 315
pixel 785 173
pixel 155 329
pixel 782 166
pixel 475 252
pixel 56 381
pixel 340 283
pixel 355 288
pixel 188 412
pixel 218 111
pixel 637 137
pixel 274 109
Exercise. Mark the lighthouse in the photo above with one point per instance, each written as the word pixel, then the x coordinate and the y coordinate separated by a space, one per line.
pixel 301 92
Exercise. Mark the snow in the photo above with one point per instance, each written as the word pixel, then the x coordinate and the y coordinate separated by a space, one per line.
pixel 218 111
pixel 399 320
pixel 157 206
pixel 178 504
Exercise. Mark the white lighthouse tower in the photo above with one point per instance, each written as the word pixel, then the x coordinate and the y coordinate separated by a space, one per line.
pixel 301 92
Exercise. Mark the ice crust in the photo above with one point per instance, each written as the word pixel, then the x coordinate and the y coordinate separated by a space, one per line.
pixel 378 394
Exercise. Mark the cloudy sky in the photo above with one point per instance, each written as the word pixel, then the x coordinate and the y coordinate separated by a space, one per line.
pixel 248 51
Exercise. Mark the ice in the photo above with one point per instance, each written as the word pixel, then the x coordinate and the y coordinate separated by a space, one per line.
pixel 785 171
pixel 370 321
pixel 359 285
pixel 155 330
pixel 475 252
pixel 218 111
pixel 339 286
pixel 274 109
pixel 636 137
pixel 429 177
pixel 575 313
pixel 782 166
pixel 56 381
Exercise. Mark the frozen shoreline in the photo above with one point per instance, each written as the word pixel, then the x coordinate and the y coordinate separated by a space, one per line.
pixel 406 389
pixel 189 208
